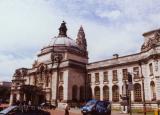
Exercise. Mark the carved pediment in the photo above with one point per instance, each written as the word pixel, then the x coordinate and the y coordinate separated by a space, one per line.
pixel 20 72
pixel 42 68
pixel 151 43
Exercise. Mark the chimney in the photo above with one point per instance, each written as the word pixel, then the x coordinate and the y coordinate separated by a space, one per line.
pixel 115 56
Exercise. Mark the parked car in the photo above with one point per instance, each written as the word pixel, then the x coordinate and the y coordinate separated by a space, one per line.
pixel 16 110
pixel 47 106
pixel 96 107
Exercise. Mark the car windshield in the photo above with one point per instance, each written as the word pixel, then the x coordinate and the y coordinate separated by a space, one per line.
pixel 92 102
pixel 5 111
pixel 102 104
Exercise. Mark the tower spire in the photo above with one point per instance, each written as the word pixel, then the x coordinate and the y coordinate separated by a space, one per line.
pixel 81 40
pixel 63 30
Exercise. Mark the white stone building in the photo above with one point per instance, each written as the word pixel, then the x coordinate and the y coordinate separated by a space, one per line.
pixel 62 74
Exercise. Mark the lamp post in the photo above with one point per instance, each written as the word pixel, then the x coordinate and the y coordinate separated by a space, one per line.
pixel 52 59
pixel 124 97
pixel 130 87
pixel 85 86
pixel 57 58
pixel 144 101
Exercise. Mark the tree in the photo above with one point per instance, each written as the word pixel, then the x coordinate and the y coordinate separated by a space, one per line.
pixel 5 93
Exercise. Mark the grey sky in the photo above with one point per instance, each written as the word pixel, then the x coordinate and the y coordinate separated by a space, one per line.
pixel 111 26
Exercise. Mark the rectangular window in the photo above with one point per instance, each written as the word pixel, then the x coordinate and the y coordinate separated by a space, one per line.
pixel 125 74
pixel 114 72
pixel 89 78
pixel 61 77
pixel 136 72
pixel 151 69
pixel 96 77
pixel 105 76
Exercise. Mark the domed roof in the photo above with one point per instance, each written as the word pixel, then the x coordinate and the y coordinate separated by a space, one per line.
pixel 62 41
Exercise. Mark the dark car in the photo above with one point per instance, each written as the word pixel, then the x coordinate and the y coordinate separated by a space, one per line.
pixel 96 107
pixel 16 110
pixel 47 106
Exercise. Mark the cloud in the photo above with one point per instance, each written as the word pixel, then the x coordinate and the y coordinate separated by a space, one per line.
pixel 112 15
pixel 9 63
pixel 110 26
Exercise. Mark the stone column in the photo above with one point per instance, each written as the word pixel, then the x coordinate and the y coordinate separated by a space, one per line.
pixel 67 89
pixel 101 92
pixel 92 87
pixel 110 92
pixel 110 85
pixel 158 87
pixel 18 96
pixel 11 99
pixel 120 89
pixel 54 81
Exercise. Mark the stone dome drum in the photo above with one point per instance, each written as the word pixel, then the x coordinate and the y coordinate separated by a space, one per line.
pixel 63 41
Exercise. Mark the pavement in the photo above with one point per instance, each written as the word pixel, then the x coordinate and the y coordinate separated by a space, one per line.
pixel 77 111
pixel 74 111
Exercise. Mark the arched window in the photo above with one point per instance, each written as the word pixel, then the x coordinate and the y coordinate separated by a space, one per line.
pixel 81 93
pixel 97 92
pixel 105 93
pixel 115 93
pixel 74 93
pixel 61 93
pixel 153 91
pixel 137 93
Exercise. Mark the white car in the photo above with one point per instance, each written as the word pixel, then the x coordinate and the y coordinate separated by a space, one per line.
pixel 9 110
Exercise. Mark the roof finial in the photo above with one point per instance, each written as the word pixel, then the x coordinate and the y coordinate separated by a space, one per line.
pixel 81 28
pixel 63 30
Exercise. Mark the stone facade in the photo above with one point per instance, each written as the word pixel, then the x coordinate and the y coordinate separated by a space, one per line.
pixel 59 70
pixel 108 77
pixel 62 74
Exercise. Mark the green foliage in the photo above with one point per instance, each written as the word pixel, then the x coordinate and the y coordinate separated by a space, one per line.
pixel 5 93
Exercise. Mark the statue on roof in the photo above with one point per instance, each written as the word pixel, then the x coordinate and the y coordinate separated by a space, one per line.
pixel 63 30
